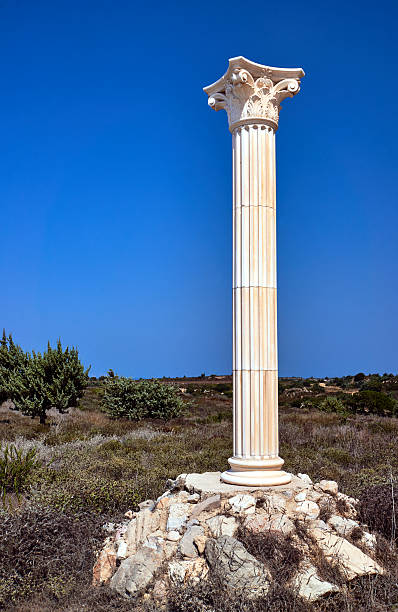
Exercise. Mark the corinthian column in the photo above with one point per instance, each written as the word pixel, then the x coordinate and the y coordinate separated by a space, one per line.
pixel 251 94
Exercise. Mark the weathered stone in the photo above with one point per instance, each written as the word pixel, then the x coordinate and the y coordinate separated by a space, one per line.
pixel 178 516
pixel 207 505
pixel 187 546
pixel 243 504
pixel 129 514
pixel 310 586
pixel 139 528
pixel 222 525
pixel 277 523
pixel 122 550
pixel 368 539
pixel 148 503
pixel 135 573
pixel 163 503
pixel 275 504
pixel 342 526
pixel 194 498
pixel 173 536
pixel 300 497
pixel 236 567
pixel 305 478
pixel 307 509
pixel 200 543
pixel 350 559
pixel 105 565
pixel 328 486
pixel 318 523
pixel 209 483
pixel 154 542
pixel 184 571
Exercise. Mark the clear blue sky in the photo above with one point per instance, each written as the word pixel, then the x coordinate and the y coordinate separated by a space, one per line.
pixel 115 182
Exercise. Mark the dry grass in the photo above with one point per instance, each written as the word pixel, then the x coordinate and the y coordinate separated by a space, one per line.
pixel 98 468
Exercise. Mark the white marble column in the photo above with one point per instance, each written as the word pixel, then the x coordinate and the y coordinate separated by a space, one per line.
pixel 251 94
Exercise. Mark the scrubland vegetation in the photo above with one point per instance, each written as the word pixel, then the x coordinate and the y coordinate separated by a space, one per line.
pixel 63 479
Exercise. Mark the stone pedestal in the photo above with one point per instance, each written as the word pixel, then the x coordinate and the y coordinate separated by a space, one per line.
pixel 251 94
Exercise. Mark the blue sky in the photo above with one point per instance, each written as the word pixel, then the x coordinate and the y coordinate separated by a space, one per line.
pixel 115 182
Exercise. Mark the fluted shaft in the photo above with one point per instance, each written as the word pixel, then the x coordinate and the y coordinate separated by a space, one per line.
pixel 255 359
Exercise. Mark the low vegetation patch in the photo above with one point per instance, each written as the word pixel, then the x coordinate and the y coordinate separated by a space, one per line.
pixel 128 399
pixel 92 465
pixel 16 468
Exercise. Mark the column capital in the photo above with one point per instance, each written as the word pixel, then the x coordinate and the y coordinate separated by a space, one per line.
pixel 252 93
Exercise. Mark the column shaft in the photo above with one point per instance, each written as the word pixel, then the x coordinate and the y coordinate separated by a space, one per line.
pixel 255 360
pixel 255 353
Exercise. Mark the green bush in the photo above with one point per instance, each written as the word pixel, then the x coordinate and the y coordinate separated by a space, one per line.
pixel 333 404
pixel 373 402
pixel 38 382
pixel 125 398
pixel 16 467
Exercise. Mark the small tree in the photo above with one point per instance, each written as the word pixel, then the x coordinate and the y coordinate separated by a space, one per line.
pixel 373 402
pixel 12 362
pixel 54 379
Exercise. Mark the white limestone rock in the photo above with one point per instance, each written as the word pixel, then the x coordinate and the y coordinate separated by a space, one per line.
pixel 243 504
pixel 187 545
pixel 307 509
pixel 342 526
pixel 139 528
pixel 275 504
pixel 300 497
pixel 236 568
pixel 182 571
pixel 305 478
pixel 350 559
pixel 222 525
pixel 173 536
pixel 178 516
pixel 310 586
pixel 368 539
pixel 261 523
pixel 121 550
pixel 135 573
pixel 194 498
pixel 328 486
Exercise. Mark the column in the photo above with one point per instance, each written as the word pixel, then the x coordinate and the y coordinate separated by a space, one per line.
pixel 251 94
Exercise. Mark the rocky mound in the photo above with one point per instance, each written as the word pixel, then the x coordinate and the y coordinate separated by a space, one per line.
pixel 203 528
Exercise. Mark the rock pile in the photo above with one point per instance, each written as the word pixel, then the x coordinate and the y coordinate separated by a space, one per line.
pixel 192 531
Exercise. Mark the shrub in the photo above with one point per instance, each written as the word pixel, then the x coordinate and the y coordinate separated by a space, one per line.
pixel 378 508
pixel 54 379
pixel 373 402
pixel 125 398
pixel 333 404
pixel 45 551
pixel 373 383
pixel 15 468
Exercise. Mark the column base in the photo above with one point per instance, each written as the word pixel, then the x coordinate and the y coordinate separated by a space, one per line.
pixel 256 472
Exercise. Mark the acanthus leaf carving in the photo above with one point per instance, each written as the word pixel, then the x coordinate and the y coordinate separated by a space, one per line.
pixel 253 96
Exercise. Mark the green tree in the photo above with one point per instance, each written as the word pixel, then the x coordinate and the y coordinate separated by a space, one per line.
pixel 12 363
pixel 54 379
pixel 373 402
